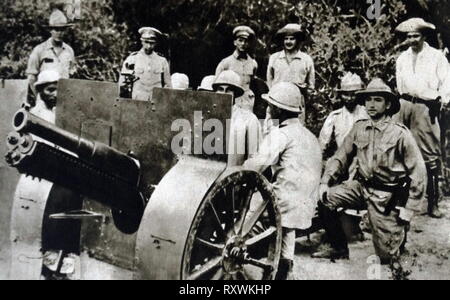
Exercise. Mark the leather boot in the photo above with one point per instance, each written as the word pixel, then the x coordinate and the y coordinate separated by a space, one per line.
pixel 338 241
pixel 433 193
pixel 284 269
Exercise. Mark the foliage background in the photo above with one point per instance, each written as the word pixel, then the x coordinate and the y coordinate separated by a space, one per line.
pixel 340 37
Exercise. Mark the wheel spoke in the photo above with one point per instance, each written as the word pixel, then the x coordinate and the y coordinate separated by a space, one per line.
pixel 206 268
pixel 247 226
pixel 259 263
pixel 217 218
pixel 211 245
pixel 261 237
pixel 244 208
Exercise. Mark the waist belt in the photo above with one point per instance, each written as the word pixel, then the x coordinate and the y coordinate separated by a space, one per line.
pixel 378 185
pixel 434 106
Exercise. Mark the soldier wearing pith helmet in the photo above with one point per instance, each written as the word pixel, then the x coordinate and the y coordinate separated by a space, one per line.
pixel 294 155
pixel 145 70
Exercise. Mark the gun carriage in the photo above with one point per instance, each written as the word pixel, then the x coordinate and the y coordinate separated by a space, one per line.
pixel 106 181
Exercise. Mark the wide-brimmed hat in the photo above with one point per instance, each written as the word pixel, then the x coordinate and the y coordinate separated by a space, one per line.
pixel 231 79
pixel 290 29
pixel 285 95
pixel 244 32
pixel 150 34
pixel 351 83
pixel 58 20
pixel 46 77
pixel 414 24
pixel 377 87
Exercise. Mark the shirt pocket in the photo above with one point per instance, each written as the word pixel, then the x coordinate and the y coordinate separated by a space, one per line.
pixel 155 75
pixel 386 152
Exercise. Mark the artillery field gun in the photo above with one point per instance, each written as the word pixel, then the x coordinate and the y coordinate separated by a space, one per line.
pixel 104 185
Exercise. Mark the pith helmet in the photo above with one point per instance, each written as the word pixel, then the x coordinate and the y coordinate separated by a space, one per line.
pixel 180 81
pixel 232 79
pixel 378 88
pixel 414 24
pixel 46 77
pixel 351 83
pixel 285 95
pixel 58 20
pixel 207 83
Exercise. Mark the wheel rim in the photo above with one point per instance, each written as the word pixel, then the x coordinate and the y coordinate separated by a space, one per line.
pixel 236 233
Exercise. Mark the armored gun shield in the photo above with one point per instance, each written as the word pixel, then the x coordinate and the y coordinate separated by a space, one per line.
pixel 159 201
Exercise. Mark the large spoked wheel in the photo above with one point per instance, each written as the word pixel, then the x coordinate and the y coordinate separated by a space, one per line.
pixel 236 233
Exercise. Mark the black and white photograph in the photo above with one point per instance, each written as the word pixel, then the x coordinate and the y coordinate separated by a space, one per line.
pixel 232 141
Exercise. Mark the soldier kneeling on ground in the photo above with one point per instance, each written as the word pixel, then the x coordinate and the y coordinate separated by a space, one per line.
pixel 390 181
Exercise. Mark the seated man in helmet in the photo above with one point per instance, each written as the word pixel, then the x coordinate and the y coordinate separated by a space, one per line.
pixel 46 89
pixel 245 129
pixel 294 155
pixel 390 180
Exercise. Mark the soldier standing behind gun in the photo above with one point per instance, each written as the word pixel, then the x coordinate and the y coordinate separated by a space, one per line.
pixel 390 181
pixel 241 63
pixel 53 54
pixel 423 80
pixel 144 70
pixel 291 64
pixel 245 129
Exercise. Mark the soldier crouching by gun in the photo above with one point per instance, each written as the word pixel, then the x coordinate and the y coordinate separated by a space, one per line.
pixel 391 178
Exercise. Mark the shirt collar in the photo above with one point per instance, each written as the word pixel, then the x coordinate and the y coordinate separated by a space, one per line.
pixel 298 55
pixel 425 48
pixel 237 56
pixel 49 44
pixel 142 51
pixel 288 122
pixel 378 126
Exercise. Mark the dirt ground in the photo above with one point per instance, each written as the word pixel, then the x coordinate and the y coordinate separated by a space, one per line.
pixel 428 257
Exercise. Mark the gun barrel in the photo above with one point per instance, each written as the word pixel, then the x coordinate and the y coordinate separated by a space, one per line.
pixel 97 154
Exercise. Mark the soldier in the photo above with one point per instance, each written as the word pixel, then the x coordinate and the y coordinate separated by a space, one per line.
pixel 53 54
pixel 423 80
pixel 206 84
pixel 245 129
pixel 46 88
pixel 341 121
pixel 390 182
pixel 180 81
pixel 144 70
pixel 291 64
pixel 294 155
pixel 241 63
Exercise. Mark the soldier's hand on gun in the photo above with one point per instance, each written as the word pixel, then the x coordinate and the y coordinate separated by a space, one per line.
pixel 406 215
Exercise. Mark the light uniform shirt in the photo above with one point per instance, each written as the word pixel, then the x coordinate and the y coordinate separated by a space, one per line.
pixel 385 151
pixel 46 57
pixel 300 70
pixel 151 71
pixel 245 136
pixel 40 110
pixel 246 67
pixel 294 155
pixel 340 122
pixel 428 79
